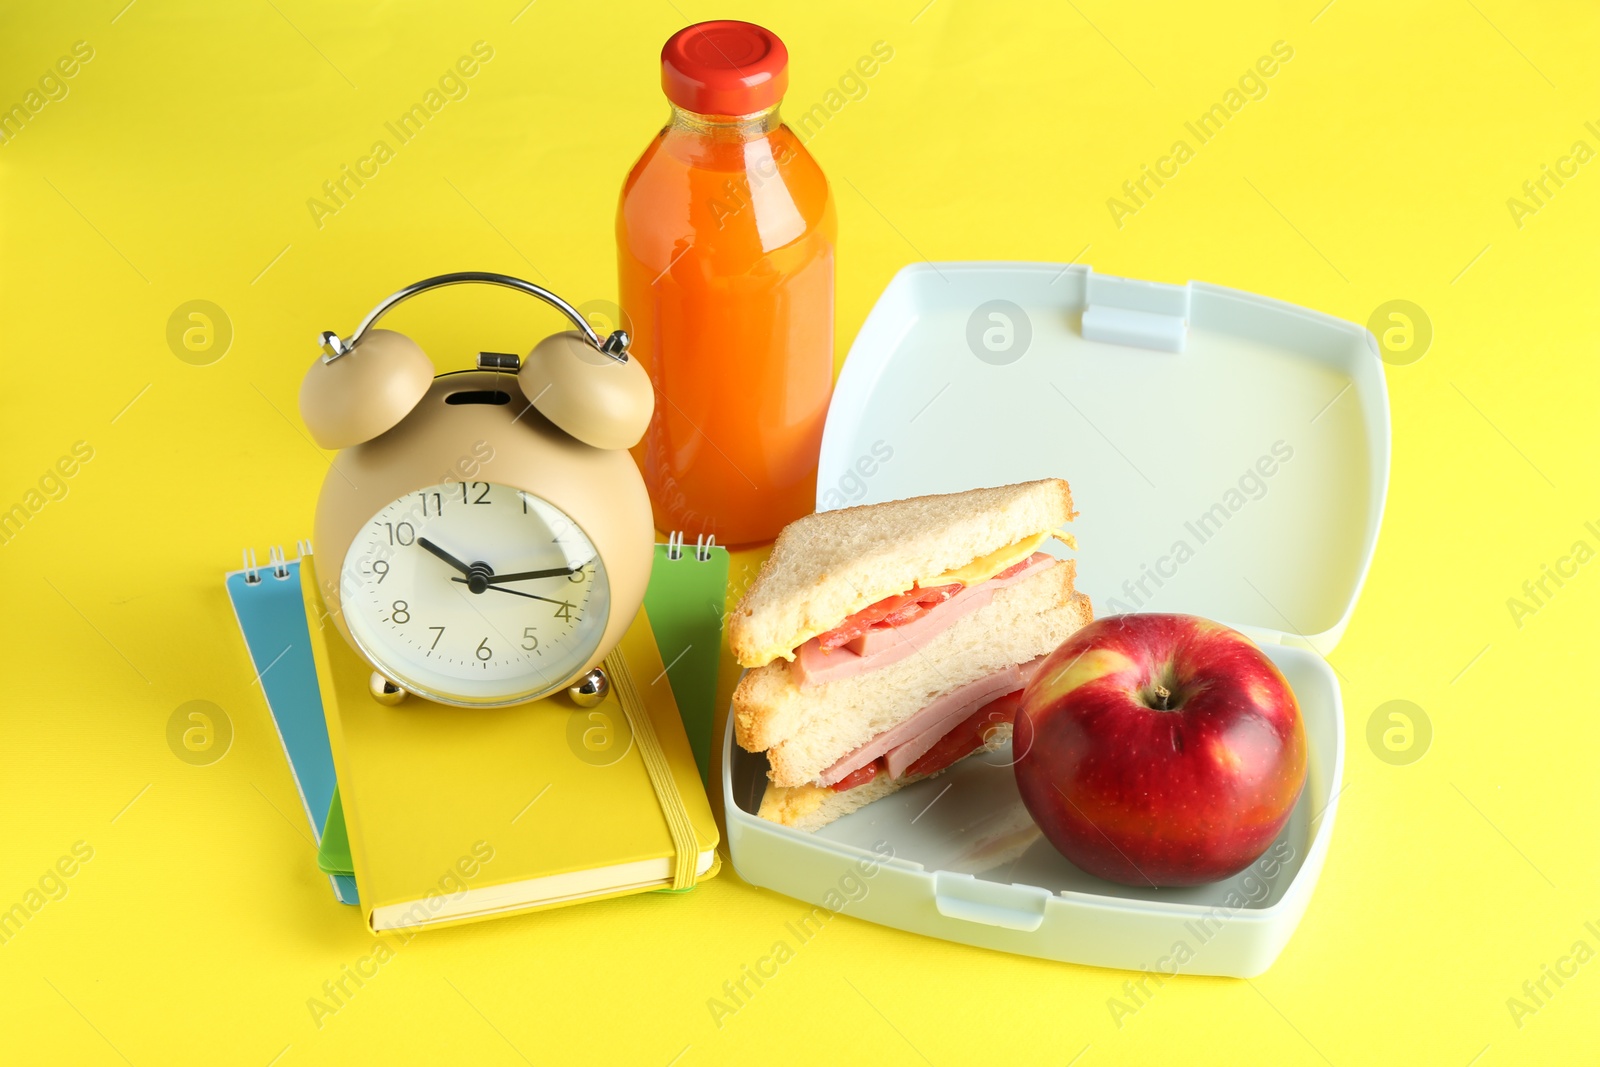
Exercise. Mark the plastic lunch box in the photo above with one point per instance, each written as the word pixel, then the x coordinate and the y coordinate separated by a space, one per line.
pixel 1229 457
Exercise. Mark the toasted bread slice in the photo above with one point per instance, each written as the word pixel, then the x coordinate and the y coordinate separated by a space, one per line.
pixel 827 566
pixel 811 807
pixel 804 731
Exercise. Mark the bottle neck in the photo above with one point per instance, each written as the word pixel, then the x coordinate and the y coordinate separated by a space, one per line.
pixel 725 128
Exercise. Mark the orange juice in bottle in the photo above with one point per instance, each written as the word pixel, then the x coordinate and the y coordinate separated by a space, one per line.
pixel 725 238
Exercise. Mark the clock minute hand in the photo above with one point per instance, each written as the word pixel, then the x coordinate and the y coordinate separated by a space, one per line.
pixel 442 554
pixel 527 575
pixel 515 592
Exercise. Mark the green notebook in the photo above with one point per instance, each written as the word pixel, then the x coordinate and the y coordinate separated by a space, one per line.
pixel 685 601
pixel 333 855
pixel 685 604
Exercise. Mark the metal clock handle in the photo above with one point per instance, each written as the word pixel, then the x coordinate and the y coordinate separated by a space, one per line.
pixel 615 346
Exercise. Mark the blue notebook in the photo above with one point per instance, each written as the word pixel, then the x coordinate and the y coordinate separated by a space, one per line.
pixel 271 614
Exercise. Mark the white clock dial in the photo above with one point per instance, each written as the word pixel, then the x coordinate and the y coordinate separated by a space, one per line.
pixel 475 593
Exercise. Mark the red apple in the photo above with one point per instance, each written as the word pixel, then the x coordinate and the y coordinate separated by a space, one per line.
pixel 1159 750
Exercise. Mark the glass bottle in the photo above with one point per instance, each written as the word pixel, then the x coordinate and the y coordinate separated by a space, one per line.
pixel 725 237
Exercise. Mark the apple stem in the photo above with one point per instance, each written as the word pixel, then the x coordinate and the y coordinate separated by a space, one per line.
pixel 1163 698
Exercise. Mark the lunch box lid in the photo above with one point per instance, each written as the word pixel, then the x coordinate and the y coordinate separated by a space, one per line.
pixel 1228 453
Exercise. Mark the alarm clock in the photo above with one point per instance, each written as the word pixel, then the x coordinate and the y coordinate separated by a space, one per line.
pixel 483 536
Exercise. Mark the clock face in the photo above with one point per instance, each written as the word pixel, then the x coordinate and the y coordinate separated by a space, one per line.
pixel 475 593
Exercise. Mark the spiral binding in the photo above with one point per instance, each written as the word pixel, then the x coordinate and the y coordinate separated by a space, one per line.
pixel 703 545
pixel 277 562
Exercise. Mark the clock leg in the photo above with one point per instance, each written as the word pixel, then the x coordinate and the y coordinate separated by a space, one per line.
pixel 384 691
pixel 591 689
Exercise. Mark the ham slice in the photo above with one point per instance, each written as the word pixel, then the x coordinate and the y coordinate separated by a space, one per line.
pixel 882 646
pixel 904 744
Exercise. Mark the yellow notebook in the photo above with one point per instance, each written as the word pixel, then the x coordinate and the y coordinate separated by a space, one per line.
pixel 457 814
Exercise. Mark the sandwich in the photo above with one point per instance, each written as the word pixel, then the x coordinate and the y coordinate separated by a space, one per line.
pixel 885 642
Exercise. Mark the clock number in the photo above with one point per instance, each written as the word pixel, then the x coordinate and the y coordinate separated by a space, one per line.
pixel 436 637
pixel 438 504
pixel 480 498
pixel 402 533
pixel 564 611
pixel 400 613
pixel 484 652
pixel 530 640
pixel 381 569
pixel 578 575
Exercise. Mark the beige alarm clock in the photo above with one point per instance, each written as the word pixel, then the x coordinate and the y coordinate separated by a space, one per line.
pixel 483 537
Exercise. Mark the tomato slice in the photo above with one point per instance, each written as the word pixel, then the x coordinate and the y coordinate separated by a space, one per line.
pixel 860 776
pixel 1013 569
pixel 967 738
pixel 900 609
pixel 890 611
pixel 930 599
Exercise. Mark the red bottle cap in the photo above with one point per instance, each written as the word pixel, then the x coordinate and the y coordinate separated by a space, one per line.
pixel 724 68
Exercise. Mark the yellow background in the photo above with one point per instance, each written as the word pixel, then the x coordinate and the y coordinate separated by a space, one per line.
pixel 178 168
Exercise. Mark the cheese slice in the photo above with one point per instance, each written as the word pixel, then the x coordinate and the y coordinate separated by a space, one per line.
pixel 985 567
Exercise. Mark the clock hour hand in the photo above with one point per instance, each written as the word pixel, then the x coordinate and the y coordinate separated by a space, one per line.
pixel 513 592
pixel 442 554
pixel 520 576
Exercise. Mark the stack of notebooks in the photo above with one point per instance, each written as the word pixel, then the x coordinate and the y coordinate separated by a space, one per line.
pixel 426 815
